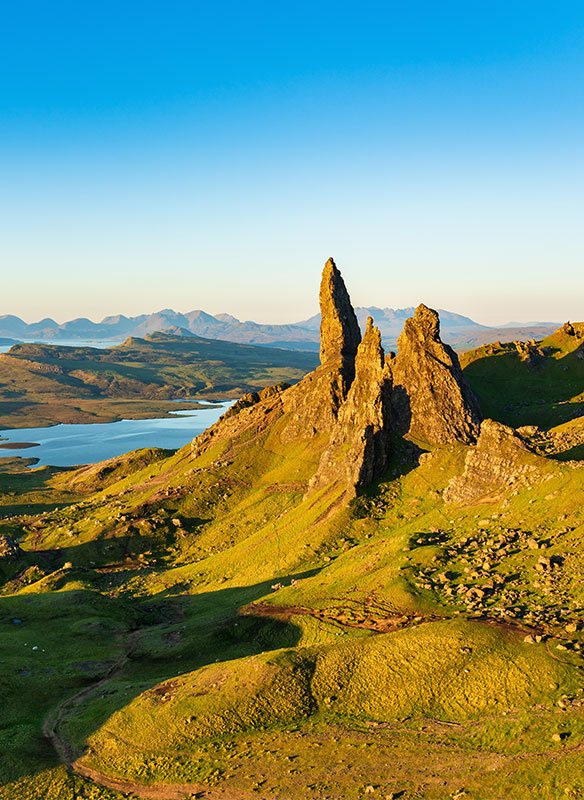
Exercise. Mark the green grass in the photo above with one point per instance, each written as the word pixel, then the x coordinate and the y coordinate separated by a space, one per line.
pixel 546 393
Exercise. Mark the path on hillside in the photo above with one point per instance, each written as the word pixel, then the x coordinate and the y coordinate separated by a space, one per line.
pixel 181 791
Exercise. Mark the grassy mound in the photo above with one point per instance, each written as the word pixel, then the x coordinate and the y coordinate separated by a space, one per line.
pixel 453 670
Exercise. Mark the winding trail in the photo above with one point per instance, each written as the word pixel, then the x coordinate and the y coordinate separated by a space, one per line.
pixel 182 791
pixel 65 751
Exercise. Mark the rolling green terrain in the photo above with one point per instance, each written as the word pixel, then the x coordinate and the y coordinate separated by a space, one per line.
pixel 202 624
pixel 46 384
pixel 537 384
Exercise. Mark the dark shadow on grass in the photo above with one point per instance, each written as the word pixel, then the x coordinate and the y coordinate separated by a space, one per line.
pixel 156 638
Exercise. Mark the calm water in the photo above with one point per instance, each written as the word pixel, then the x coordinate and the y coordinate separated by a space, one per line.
pixel 69 445
pixel 101 344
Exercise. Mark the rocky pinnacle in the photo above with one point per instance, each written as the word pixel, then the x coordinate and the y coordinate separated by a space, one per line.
pixel 339 329
pixel 431 399
pixel 359 445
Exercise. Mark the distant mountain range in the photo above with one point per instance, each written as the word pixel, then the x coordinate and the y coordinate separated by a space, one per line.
pixel 459 331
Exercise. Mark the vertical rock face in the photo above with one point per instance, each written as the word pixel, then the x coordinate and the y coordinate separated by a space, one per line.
pixel 339 329
pixel 431 399
pixel 359 446
pixel 315 401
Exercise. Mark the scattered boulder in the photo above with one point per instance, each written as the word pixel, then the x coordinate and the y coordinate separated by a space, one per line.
pixel 9 548
pixel 529 352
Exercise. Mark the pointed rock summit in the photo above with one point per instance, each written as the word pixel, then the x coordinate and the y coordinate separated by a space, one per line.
pixel 431 399
pixel 339 329
pixel 315 401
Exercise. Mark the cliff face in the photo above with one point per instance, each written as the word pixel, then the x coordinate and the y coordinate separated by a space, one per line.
pixel 339 330
pixel 431 399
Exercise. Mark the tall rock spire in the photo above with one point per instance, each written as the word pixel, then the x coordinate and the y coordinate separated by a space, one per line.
pixel 315 401
pixel 431 399
pixel 339 329
pixel 359 446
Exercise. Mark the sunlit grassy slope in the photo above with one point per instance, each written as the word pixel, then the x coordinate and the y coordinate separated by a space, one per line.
pixel 201 627
pixel 546 389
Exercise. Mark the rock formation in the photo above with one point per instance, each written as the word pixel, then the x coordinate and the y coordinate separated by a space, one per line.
pixel 252 398
pixel 345 411
pixel 313 404
pixel 339 329
pixel 359 445
pixel 529 352
pixel 500 460
pixel 431 399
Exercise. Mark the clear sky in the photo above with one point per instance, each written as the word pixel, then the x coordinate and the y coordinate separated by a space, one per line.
pixel 213 155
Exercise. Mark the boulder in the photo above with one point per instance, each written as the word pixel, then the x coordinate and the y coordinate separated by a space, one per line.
pixel 500 461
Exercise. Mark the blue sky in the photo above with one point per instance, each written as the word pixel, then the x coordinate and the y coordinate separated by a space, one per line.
pixel 213 155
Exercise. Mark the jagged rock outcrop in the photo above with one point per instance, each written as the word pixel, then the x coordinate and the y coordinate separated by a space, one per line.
pixel 359 445
pixel 313 404
pixel 249 417
pixel 568 328
pixel 339 330
pixel 530 352
pixel 501 460
pixel 250 399
pixel 431 399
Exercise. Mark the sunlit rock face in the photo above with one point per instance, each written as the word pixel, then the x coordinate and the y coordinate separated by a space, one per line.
pixel 431 399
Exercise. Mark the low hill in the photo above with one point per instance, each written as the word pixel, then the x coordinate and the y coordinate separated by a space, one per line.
pixel 351 587
pixel 535 383
pixel 44 384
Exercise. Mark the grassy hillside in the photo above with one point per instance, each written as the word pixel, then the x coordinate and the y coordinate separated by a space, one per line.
pixel 539 384
pixel 203 629
pixel 46 384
